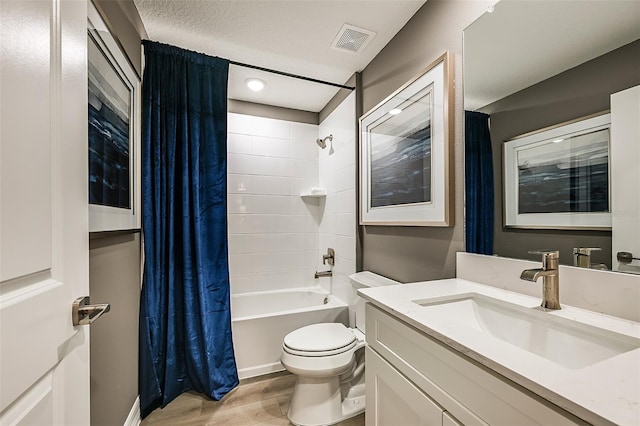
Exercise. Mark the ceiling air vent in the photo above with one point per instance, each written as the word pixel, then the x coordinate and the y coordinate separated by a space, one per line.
pixel 352 39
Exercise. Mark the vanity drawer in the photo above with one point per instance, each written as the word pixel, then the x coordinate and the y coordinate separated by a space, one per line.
pixel 470 392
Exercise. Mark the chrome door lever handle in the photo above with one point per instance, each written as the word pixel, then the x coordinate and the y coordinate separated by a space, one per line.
pixel 626 257
pixel 82 313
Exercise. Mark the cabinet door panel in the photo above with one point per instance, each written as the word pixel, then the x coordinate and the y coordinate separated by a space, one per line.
pixel 394 400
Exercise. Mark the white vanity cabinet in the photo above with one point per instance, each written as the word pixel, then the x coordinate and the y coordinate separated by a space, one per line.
pixel 412 379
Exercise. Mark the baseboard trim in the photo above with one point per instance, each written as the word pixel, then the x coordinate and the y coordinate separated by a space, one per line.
pixel 133 419
pixel 260 370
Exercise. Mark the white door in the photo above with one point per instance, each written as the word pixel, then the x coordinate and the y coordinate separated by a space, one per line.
pixel 625 179
pixel 44 360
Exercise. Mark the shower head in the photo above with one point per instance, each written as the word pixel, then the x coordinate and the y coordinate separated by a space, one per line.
pixel 322 143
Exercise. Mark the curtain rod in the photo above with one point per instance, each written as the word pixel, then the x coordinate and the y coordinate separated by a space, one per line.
pixel 286 74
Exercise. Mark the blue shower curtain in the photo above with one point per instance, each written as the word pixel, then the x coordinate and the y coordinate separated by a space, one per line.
pixel 478 184
pixel 185 320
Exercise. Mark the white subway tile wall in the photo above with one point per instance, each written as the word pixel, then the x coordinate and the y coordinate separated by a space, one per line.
pixel 273 232
pixel 337 175
pixel 276 237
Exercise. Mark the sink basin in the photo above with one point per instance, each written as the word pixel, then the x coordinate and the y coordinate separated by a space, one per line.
pixel 566 342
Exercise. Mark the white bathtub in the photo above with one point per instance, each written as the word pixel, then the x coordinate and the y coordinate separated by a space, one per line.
pixel 260 321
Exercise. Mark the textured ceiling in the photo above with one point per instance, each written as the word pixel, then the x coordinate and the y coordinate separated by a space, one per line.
pixel 294 36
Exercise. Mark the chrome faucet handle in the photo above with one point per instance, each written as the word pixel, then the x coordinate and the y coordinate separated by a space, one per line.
pixel 585 251
pixel 330 256
pixel 549 258
pixel 545 252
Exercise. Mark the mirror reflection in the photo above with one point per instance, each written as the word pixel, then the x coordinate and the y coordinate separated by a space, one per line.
pixel 531 66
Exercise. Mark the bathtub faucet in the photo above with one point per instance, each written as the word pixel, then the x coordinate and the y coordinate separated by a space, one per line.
pixel 323 274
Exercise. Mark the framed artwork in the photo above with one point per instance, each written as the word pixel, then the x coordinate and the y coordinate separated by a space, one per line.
pixel 113 132
pixel 558 178
pixel 405 150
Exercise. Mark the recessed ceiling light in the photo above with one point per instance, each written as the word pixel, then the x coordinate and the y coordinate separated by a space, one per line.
pixel 395 111
pixel 255 84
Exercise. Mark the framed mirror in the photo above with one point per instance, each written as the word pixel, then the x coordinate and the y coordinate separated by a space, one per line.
pixel 532 65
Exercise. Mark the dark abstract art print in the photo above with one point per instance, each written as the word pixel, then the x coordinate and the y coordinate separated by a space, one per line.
pixel 400 166
pixel 565 175
pixel 109 132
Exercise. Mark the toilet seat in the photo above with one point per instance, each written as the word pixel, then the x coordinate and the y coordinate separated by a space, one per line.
pixel 319 340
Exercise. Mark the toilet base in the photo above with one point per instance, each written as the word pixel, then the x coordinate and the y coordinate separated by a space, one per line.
pixel 319 402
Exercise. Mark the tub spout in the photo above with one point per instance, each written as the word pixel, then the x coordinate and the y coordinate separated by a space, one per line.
pixel 322 274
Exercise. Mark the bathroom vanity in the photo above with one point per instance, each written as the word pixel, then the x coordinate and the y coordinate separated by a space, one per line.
pixel 459 352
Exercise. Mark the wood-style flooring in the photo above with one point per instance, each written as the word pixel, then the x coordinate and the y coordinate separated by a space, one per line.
pixel 262 401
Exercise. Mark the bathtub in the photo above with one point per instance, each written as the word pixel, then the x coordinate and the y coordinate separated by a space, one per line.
pixel 260 320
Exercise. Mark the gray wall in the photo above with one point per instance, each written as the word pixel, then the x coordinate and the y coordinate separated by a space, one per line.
pixel 420 253
pixel 575 93
pixel 114 277
pixel 340 96
pixel 114 273
pixel 270 111
pixel 123 20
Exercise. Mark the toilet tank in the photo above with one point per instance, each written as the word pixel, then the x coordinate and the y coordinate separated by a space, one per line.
pixel 365 279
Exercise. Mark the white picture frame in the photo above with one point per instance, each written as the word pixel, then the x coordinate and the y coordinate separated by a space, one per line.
pixel 114 86
pixel 559 177
pixel 406 143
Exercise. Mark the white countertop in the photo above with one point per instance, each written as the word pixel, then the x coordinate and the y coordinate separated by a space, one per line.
pixel 605 392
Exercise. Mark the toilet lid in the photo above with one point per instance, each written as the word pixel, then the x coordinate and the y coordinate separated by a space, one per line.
pixel 320 338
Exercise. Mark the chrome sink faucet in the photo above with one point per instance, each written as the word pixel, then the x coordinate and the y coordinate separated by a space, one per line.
pixel 550 278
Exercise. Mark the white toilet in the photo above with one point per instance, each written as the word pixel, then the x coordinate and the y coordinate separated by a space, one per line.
pixel 328 359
